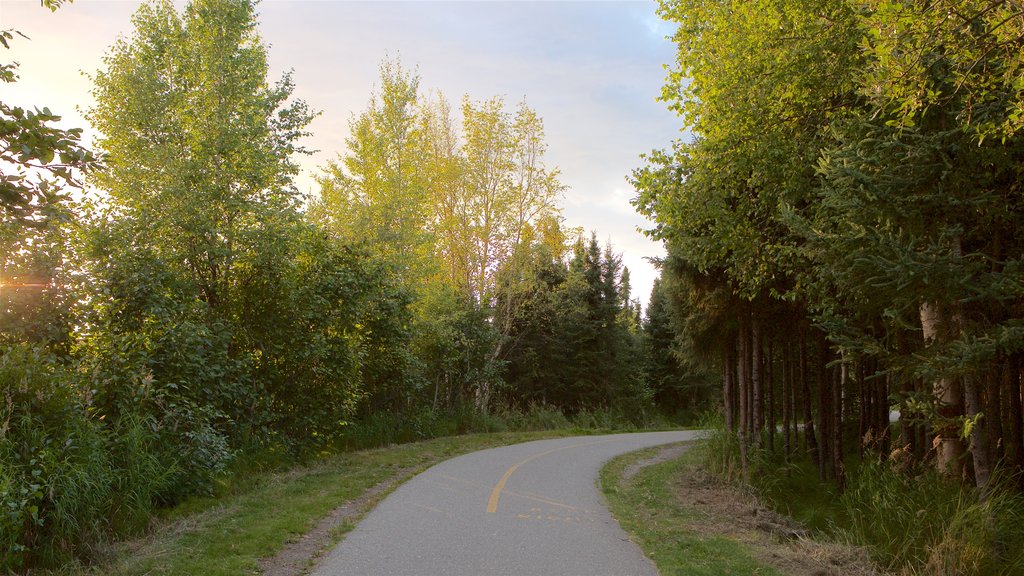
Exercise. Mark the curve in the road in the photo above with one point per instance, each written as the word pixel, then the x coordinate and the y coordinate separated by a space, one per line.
pixel 526 509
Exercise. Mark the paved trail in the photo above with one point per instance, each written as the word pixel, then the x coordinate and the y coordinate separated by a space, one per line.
pixel 529 509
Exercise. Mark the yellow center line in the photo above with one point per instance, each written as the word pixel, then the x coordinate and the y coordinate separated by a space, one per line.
pixel 492 503
pixel 517 494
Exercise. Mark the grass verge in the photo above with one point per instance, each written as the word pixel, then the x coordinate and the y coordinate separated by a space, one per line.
pixel 648 507
pixel 228 535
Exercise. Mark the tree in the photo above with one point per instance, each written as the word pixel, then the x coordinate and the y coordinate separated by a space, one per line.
pixel 506 186
pixel 853 172
pixel 198 146
pixel 376 192
pixel 203 237
pixel 39 162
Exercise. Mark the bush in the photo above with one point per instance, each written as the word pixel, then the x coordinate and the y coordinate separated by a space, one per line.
pixel 65 481
pixel 69 481
pixel 536 417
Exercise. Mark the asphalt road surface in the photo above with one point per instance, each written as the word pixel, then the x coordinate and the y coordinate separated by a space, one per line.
pixel 529 509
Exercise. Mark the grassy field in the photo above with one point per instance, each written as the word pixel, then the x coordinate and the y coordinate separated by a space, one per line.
pixel 263 512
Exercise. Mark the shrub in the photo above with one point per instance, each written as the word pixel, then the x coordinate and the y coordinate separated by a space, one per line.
pixel 63 481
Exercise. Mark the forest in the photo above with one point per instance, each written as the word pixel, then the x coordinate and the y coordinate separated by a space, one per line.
pixel 845 249
pixel 195 311
pixel 842 300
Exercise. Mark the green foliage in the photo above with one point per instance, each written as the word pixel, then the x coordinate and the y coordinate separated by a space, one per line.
pixel 39 159
pixel 571 342
pixel 66 482
pixel 926 524
pixel 39 162
pixel 377 192
pixel 854 168
pixel 536 417
pixel 676 342
pixel 197 146
pixel 189 318
pixel 911 521
pixel 455 343
pixel 332 331
pixel 960 56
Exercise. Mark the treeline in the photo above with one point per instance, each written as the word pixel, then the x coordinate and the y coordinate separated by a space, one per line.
pixel 193 310
pixel 844 227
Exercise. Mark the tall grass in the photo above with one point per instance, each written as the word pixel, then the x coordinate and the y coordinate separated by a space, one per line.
pixel 914 523
pixel 925 524
pixel 720 450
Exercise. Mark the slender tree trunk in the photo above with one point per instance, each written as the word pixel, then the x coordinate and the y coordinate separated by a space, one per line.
pixel 729 384
pixel 743 380
pixel 734 375
pixel 757 380
pixel 787 372
pixel 794 393
pixel 824 411
pixel 882 406
pixel 995 413
pixel 809 441
pixel 979 436
pixel 867 412
pixel 770 394
pixel 838 470
pixel 1015 420
pixel 937 327
pixel 748 382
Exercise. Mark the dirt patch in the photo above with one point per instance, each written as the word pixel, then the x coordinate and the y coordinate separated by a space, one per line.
pixel 665 454
pixel 297 555
pixel 779 541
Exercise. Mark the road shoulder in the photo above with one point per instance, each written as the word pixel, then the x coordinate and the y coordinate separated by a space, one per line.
pixel 690 522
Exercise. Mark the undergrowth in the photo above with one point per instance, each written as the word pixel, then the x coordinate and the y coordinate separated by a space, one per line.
pixel 386 428
pixel 69 487
pixel 913 521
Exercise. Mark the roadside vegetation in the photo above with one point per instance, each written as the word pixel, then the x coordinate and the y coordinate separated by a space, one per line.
pixel 843 224
pixel 690 522
pixel 193 318
pixel 256 513
pixel 912 521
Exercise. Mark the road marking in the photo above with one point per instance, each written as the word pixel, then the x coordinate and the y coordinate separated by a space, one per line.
pixel 540 499
pixel 492 502
pixel 517 494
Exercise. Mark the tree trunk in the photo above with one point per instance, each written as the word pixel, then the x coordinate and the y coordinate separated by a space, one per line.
pixel 757 380
pixel 787 370
pixel 748 382
pixel 994 414
pixel 882 409
pixel 1015 420
pixel 729 384
pixel 824 411
pixel 809 440
pixel 838 471
pixel 937 327
pixel 743 381
pixel 867 412
pixel 979 436
pixel 769 395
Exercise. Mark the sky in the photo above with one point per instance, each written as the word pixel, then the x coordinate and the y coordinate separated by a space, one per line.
pixel 591 69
